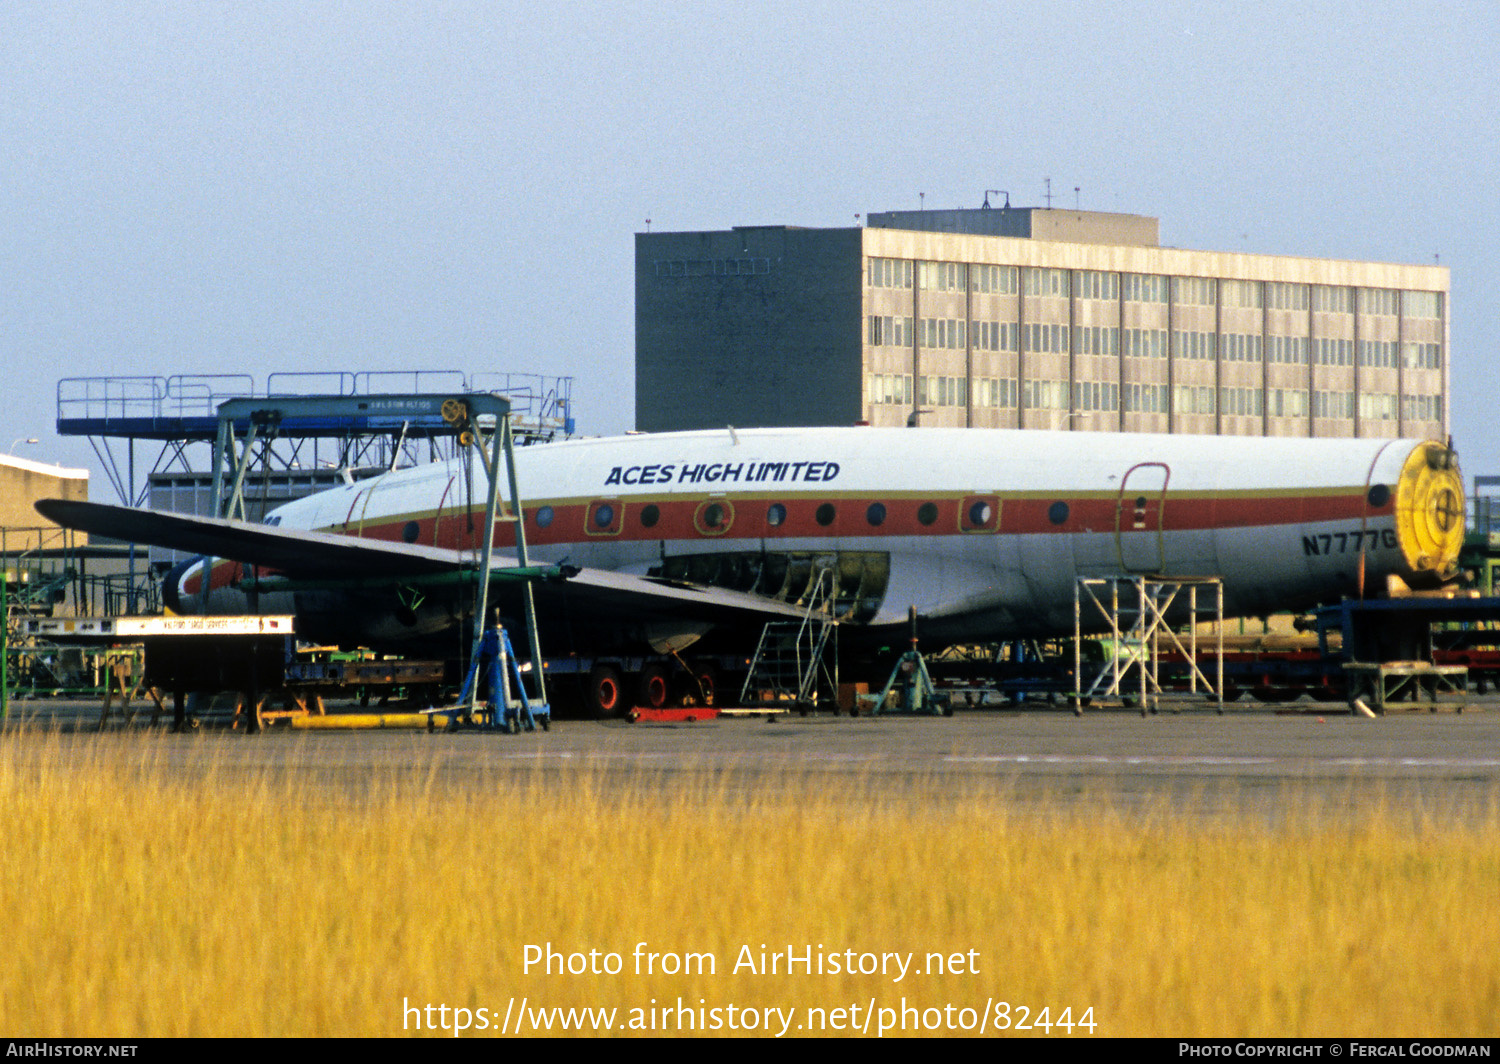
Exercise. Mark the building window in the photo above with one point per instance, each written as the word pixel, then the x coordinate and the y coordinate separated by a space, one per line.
pixel 1420 356
pixel 1377 406
pixel 1145 398
pixel 1241 402
pixel 1286 402
pixel 1194 291
pixel 993 280
pixel 1144 287
pixel 942 276
pixel 1329 299
pixel 1422 304
pixel 1283 295
pixel 1146 343
pixel 1045 282
pixel 1096 284
pixel 1199 346
pixel 1378 301
pixel 1246 294
pixel 889 273
pixel 1377 353
pixel 1194 399
pixel 1288 350
pixel 1096 340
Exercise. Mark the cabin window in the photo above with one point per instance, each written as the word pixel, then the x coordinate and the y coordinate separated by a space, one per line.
pixel 713 518
pixel 605 517
pixel 776 514
pixel 979 513
pixel 876 514
pixel 825 514
pixel 1057 513
pixel 650 514
pixel 410 531
pixel 544 517
pixel 927 513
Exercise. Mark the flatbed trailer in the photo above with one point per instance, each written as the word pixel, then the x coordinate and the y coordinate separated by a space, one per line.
pixel 1448 640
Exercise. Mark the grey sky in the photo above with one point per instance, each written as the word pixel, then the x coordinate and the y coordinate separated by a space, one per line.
pixel 259 187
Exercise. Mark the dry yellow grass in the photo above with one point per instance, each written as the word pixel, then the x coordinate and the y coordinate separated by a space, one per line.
pixel 140 902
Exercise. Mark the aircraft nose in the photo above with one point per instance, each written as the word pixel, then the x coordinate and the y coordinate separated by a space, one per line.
pixel 1430 510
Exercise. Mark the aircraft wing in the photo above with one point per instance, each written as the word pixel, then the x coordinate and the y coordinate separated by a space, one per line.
pixel 294 552
pixel 321 558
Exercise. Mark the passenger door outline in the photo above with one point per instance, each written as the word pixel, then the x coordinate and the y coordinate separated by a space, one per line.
pixel 1139 511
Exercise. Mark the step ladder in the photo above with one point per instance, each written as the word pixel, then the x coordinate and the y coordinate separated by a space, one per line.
pixel 792 666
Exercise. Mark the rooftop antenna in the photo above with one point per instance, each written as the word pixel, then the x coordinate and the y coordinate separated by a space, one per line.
pixel 921 201
pixel 1077 206
pixel 648 225
pixel 1049 192
pixel 996 192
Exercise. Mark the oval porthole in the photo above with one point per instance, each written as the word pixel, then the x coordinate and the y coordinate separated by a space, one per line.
pixel 650 514
pixel 876 514
pixel 713 515
pixel 980 514
pixel 776 514
pixel 410 531
pixel 825 514
pixel 1057 513
pixel 1379 496
pixel 604 515
pixel 927 513
pixel 544 517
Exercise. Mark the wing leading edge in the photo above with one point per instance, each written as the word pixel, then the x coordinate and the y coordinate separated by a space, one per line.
pixel 294 552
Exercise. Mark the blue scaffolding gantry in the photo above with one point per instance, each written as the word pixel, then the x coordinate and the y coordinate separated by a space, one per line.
pixel 115 413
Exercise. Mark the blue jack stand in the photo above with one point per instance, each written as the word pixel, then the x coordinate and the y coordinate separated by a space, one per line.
pixel 520 713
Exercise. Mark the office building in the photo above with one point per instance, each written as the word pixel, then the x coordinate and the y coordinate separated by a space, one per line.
pixel 1031 318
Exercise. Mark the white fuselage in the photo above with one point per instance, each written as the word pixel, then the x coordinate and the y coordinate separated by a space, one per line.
pixel 983 532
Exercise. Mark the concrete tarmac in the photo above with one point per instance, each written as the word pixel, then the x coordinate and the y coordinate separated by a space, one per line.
pixel 1252 758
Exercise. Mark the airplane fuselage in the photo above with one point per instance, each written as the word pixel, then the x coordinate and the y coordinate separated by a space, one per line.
pixel 983 532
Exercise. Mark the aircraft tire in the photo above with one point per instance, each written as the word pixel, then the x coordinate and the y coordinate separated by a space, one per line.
pixel 605 695
pixel 654 688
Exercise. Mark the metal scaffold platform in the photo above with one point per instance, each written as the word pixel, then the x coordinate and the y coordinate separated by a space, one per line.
pixel 1147 617
pixel 180 411
pixel 259 446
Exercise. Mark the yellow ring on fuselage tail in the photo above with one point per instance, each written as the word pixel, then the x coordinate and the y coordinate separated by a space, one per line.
pixel 1430 510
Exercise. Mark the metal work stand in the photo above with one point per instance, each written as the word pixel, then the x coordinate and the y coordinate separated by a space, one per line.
pixel 1135 610
pixel 910 677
